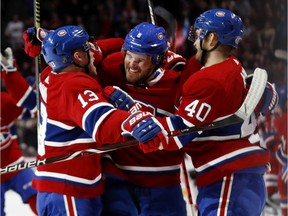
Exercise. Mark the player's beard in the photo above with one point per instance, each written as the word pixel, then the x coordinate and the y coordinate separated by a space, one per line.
pixel 139 76
pixel 198 54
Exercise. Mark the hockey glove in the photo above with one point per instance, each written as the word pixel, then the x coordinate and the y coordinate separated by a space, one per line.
pixel 33 38
pixel 142 126
pixel 268 101
pixel 105 47
pixel 8 63
pixel 119 98
pixel 173 61
pixel 172 142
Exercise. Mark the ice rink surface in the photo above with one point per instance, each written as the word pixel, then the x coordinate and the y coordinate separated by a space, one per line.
pixel 14 205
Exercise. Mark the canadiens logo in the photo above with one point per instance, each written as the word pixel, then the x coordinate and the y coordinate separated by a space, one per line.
pixel 220 14
pixel 160 36
pixel 61 33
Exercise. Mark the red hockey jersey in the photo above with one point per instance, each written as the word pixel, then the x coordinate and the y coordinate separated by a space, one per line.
pixel 157 169
pixel 19 96
pixel 211 94
pixel 74 116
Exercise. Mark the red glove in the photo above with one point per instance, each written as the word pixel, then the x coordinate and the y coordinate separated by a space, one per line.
pixel 163 141
pixel 174 61
pixel 157 143
pixel 105 47
pixel 33 38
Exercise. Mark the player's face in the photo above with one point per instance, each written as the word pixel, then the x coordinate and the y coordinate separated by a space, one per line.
pixel 91 66
pixel 138 67
pixel 197 45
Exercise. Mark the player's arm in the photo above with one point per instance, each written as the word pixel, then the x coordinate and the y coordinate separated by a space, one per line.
pixel 19 89
pixel 173 61
pixel 33 38
pixel 105 47
pixel 100 119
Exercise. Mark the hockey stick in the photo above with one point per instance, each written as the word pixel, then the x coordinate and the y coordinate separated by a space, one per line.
pixel 167 17
pixel 171 22
pixel 151 12
pixel 254 95
pixel 67 156
pixel 37 66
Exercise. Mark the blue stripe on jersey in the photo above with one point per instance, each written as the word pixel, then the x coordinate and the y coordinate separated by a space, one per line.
pixel 151 173
pixel 13 130
pixel 57 134
pixel 26 115
pixel 177 124
pixel 227 159
pixel 223 131
pixel 96 117
pixel 30 101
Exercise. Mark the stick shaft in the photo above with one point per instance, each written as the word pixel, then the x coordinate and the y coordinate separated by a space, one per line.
pixel 151 12
pixel 255 92
pixel 37 66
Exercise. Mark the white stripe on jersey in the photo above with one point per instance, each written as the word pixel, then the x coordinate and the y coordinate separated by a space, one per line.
pixel 145 168
pixel 60 124
pixel 68 143
pixel 227 156
pixel 92 108
pixel 68 177
pixel 24 97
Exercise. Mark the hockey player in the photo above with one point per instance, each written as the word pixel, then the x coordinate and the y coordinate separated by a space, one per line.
pixel 18 101
pixel 229 168
pixel 149 84
pixel 75 116
pixel 138 183
pixel 273 129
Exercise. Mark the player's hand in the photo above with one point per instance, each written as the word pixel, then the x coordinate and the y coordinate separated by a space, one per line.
pixel 97 52
pixel 173 61
pixel 119 98
pixel 157 143
pixel 33 38
pixel 142 126
pixel 8 63
pixel 268 101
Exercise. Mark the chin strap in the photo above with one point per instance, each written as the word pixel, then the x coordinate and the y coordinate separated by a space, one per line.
pixel 86 65
pixel 204 52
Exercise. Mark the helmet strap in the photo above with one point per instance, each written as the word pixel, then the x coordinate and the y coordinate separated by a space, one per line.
pixel 204 51
pixel 86 65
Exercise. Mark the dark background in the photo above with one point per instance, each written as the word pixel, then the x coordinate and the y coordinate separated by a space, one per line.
pixel 265 23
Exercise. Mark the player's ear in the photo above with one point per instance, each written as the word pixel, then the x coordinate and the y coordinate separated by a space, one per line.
pixel 212 39
pixel 79 56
